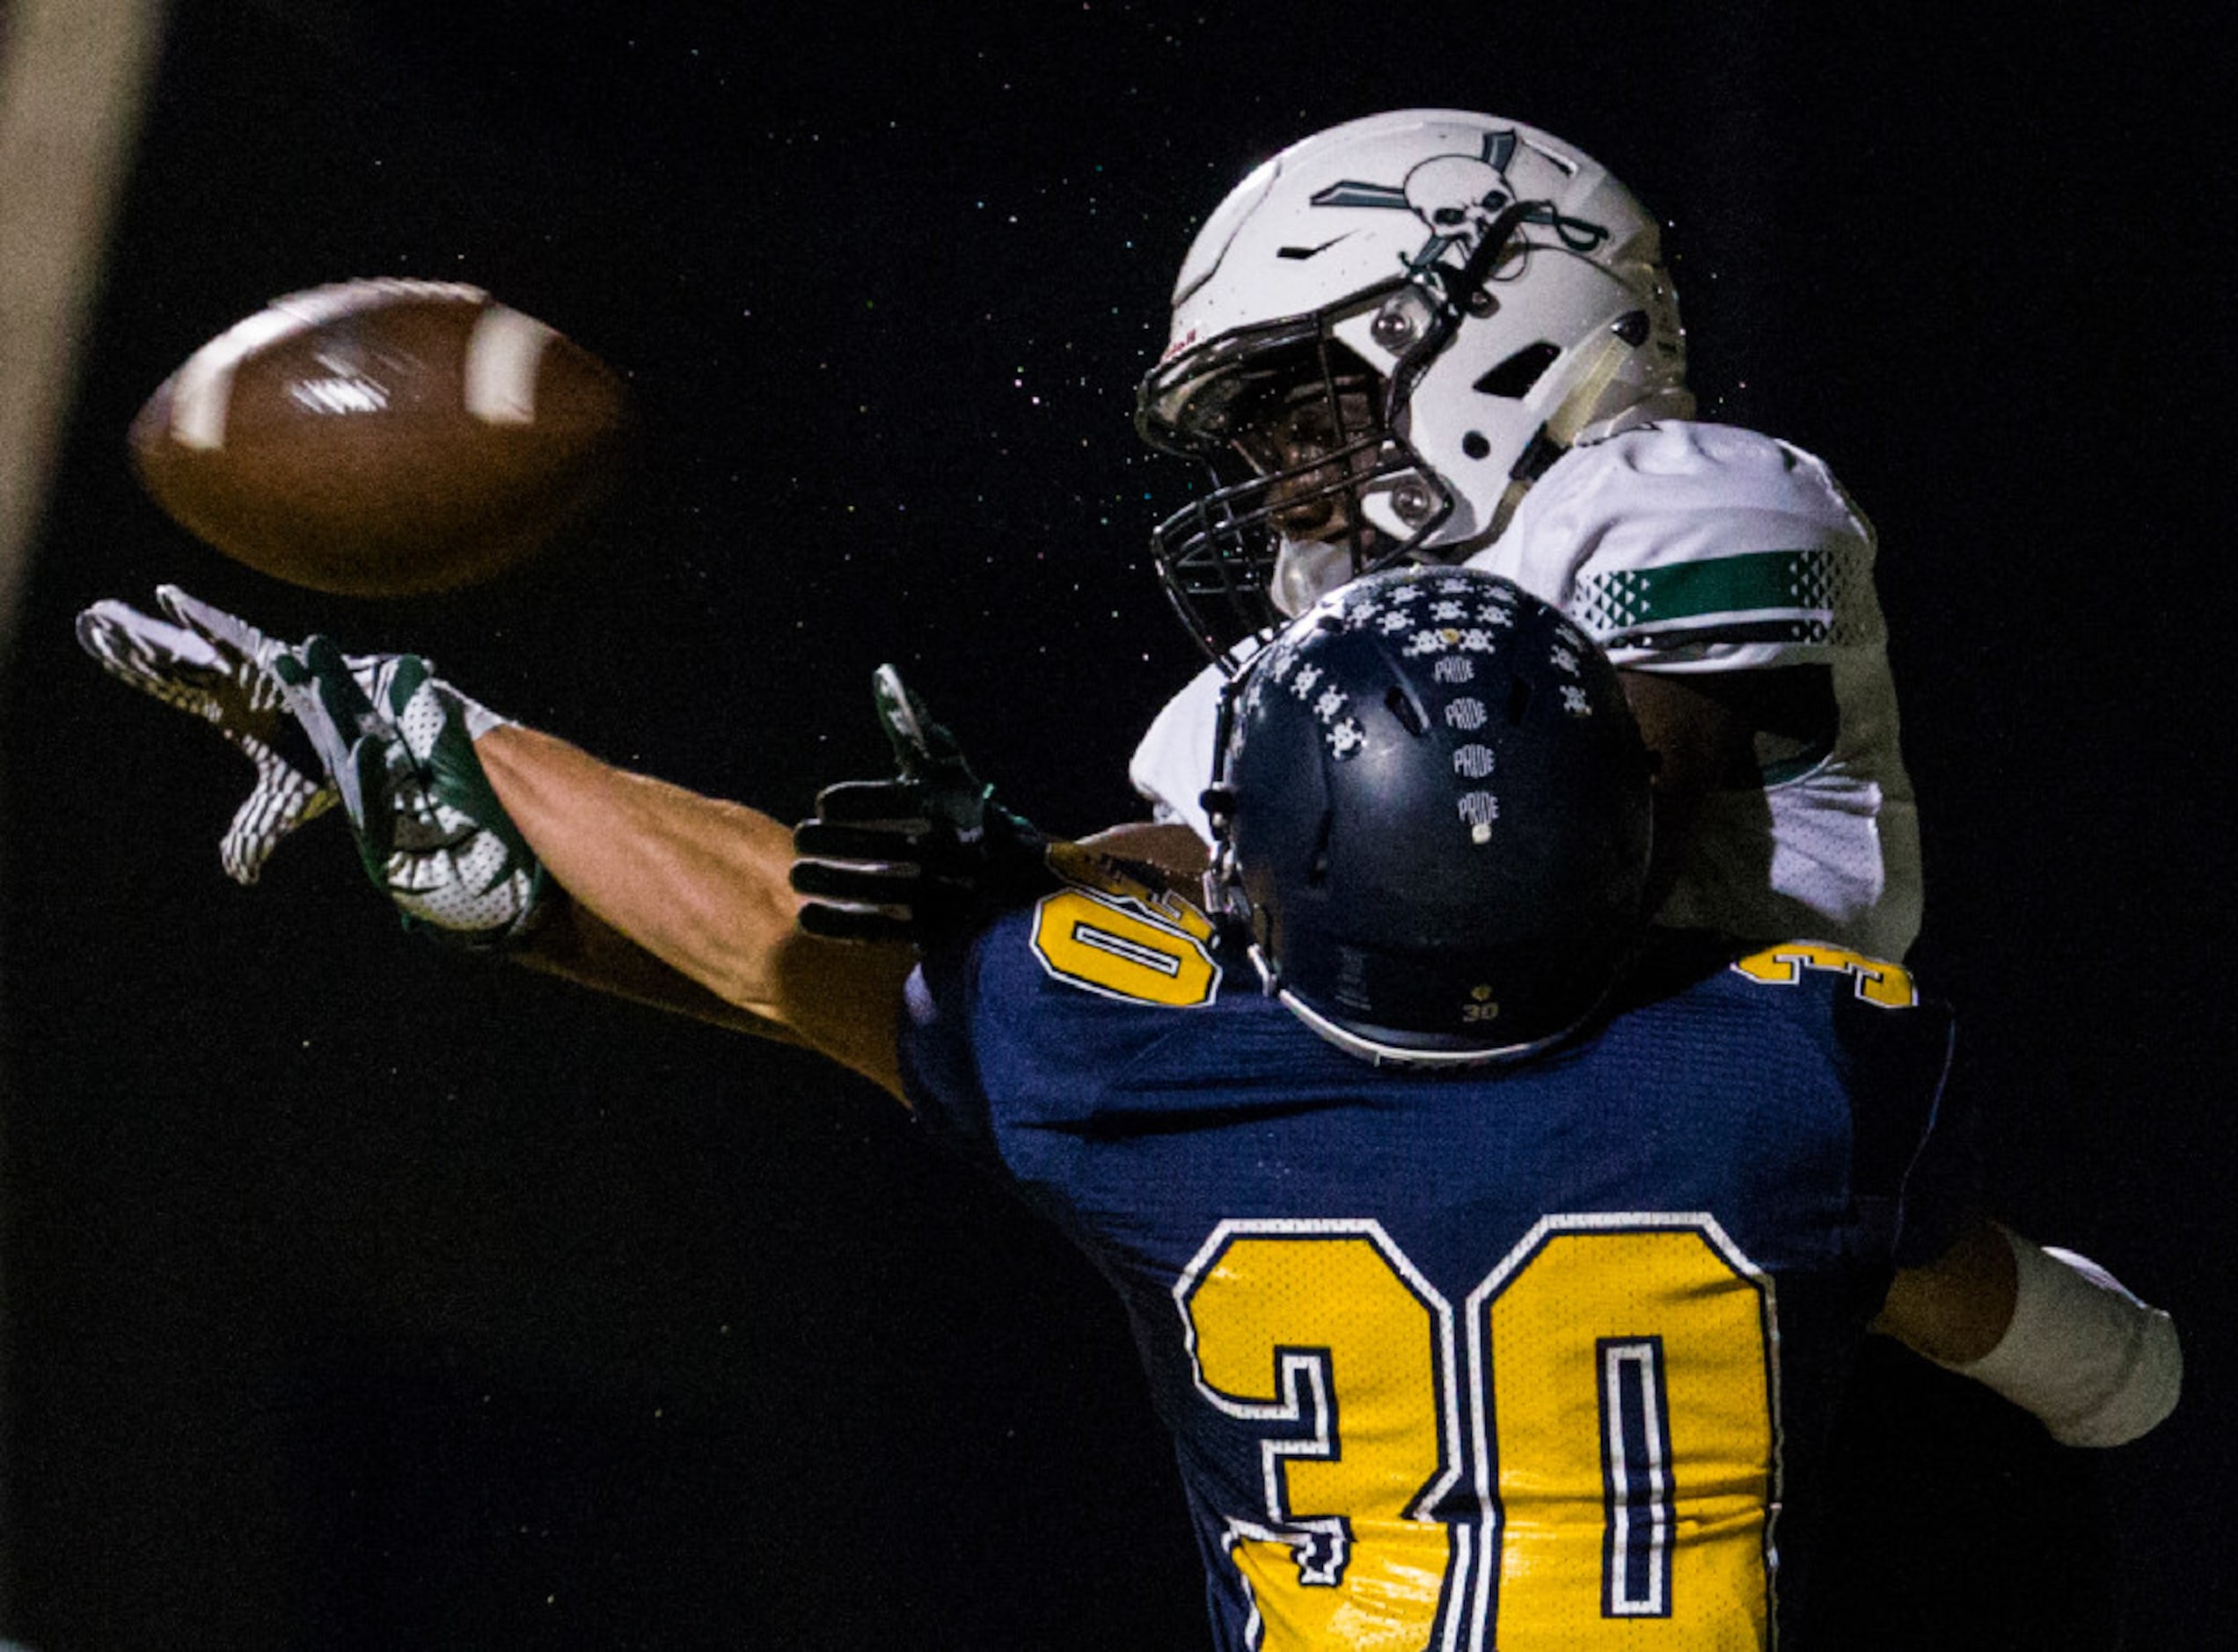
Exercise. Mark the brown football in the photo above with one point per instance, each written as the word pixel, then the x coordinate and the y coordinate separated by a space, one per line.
pixel 381 438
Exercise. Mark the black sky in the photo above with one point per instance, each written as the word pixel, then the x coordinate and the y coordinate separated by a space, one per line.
pixel 356 1296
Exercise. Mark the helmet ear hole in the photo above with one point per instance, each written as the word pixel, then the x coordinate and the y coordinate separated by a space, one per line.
pixel 1317 868
pixel 1512 378
pixel 1519 693
pixel 1402 707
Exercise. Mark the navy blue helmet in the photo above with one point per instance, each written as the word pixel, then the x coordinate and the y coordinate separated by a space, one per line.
pixel 1433 809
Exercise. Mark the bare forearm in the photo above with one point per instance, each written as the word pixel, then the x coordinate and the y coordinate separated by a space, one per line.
pixel 1955 1308
pixel 575 945
pixel 697 882
pixel 702 884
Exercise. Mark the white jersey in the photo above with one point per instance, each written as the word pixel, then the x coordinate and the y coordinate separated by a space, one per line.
pixel 1688 547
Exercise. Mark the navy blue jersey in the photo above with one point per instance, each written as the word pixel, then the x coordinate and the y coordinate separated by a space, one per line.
pixel 1529 1351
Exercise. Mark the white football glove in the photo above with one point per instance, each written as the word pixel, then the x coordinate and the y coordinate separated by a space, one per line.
pixel 399 745
pixel 211 665
pixel 378 734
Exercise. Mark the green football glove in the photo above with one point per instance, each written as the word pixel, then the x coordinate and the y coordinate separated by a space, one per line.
pixel 917 856
pixel 378 734
pixel 398 744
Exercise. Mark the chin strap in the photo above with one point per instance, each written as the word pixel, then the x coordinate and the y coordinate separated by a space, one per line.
pixel 1225 902
pixel 1537 458
pixel 1450 292
pixel 1561 432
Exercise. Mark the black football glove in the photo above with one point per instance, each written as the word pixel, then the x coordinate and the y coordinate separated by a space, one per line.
pixel 917 856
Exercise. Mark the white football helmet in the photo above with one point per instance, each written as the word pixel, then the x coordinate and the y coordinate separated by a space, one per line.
pixel 1382 337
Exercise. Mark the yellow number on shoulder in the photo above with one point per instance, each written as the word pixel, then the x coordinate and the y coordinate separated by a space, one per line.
pixel 1878 982
pixel 1109 932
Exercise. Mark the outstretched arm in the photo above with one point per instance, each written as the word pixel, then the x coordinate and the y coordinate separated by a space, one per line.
pixel 574 945
pixel 701 885
pixel 471 825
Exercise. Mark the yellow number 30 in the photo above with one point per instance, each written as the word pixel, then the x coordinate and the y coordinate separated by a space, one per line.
pixel 1610 1456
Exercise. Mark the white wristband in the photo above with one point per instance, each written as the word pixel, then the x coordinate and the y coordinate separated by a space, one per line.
pixel 2095 1365
pixel 479 718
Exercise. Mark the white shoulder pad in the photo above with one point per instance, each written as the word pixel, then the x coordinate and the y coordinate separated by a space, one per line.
pixel 1173 764
pixel 1680 541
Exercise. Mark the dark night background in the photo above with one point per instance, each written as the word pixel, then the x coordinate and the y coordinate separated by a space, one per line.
pixel 359 1297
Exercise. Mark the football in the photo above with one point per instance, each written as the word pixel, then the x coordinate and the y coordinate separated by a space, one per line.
pixel 381 438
